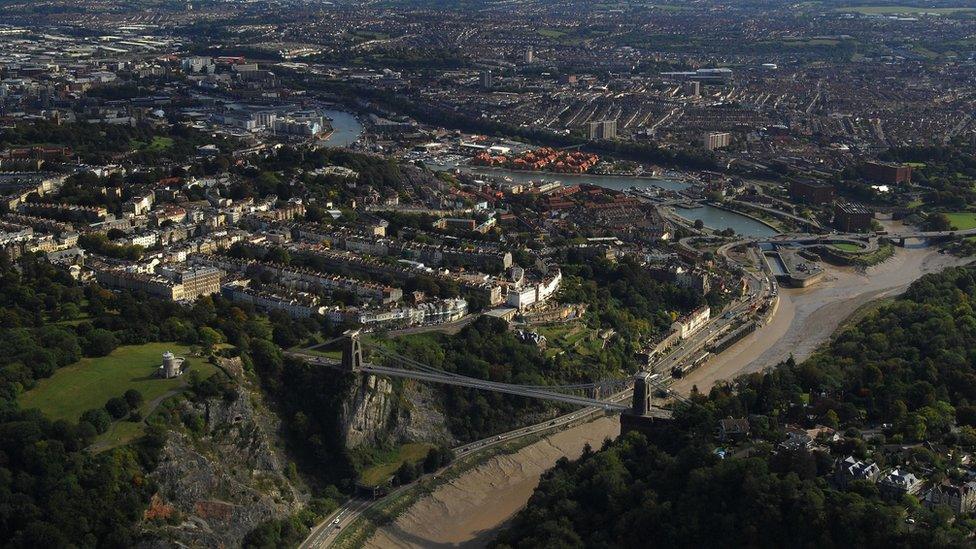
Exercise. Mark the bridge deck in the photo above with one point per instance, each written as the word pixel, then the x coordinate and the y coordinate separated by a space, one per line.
pixel 519 390
pixel 492 386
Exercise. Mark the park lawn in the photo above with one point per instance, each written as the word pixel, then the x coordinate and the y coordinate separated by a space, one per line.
pixel 90 382
pixel 551 33
pixel 570 337
pixel 412 452
pixel 962 220
pixel 160 143
pixel 335 354
pixel 120 433
pixel 847 247
pixel 422 339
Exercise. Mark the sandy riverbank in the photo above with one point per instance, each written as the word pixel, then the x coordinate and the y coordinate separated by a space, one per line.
pixel 469 511
pixel 805 318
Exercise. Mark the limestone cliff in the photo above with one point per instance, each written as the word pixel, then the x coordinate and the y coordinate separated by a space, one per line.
pixel 218 481
pixel 377 412
pixel 368 412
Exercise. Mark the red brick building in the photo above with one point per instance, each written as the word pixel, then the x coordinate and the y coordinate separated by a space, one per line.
pixel 852 218
pixel 811 191
pixel 887 172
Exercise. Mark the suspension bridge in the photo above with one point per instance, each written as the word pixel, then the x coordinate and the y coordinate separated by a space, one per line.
pixel 386 362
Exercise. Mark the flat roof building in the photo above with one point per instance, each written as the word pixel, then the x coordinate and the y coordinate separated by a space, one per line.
pixel 850 217
pixel 811 191
pixel 887 172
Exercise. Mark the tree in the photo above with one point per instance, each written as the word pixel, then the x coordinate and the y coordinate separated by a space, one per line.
pixel 117 407
pixel 210 338
pixel 101 342
pixel 133 398
pixel 98 418
pixel 831 419
pixel 406 474
pixel 938 222
pixel 278 255
pixel 432 461
pixel 70 311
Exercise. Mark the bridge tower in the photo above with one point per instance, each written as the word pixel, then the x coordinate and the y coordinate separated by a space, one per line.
pixel 352 351
pixel 642 394
pixel 640 417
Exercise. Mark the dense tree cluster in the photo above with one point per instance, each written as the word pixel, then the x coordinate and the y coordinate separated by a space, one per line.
pixel 101 245
pixel 624 296
pixel 99 143
pixel 632 492
pixel 949 170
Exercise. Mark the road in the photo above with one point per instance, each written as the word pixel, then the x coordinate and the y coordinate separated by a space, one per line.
pixel 449 328
pixel 328 530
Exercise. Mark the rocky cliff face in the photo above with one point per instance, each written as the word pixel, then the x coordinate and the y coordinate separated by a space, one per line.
pixel 219 483
pixel 376 413
pixel 368 412
pixel 421 417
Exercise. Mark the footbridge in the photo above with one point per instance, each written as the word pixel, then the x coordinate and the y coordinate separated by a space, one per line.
pixel 386 362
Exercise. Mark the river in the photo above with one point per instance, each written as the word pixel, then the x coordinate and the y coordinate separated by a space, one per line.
pixel 346 129
pixel 470 510
pixel 713 218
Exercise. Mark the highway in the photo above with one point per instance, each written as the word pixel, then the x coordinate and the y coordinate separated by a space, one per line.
pixel 326 532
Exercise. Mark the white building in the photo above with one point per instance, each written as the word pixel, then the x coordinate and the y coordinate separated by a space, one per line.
pixel 172 366
pixel 692 322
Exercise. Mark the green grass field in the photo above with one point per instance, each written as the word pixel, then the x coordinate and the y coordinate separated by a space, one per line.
pixel 158 144
pixel 962 220
pixel 119 434
pixel 413 452
pixel 570 337
pixel 551 33
pixel 90 382
pixel 847 247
